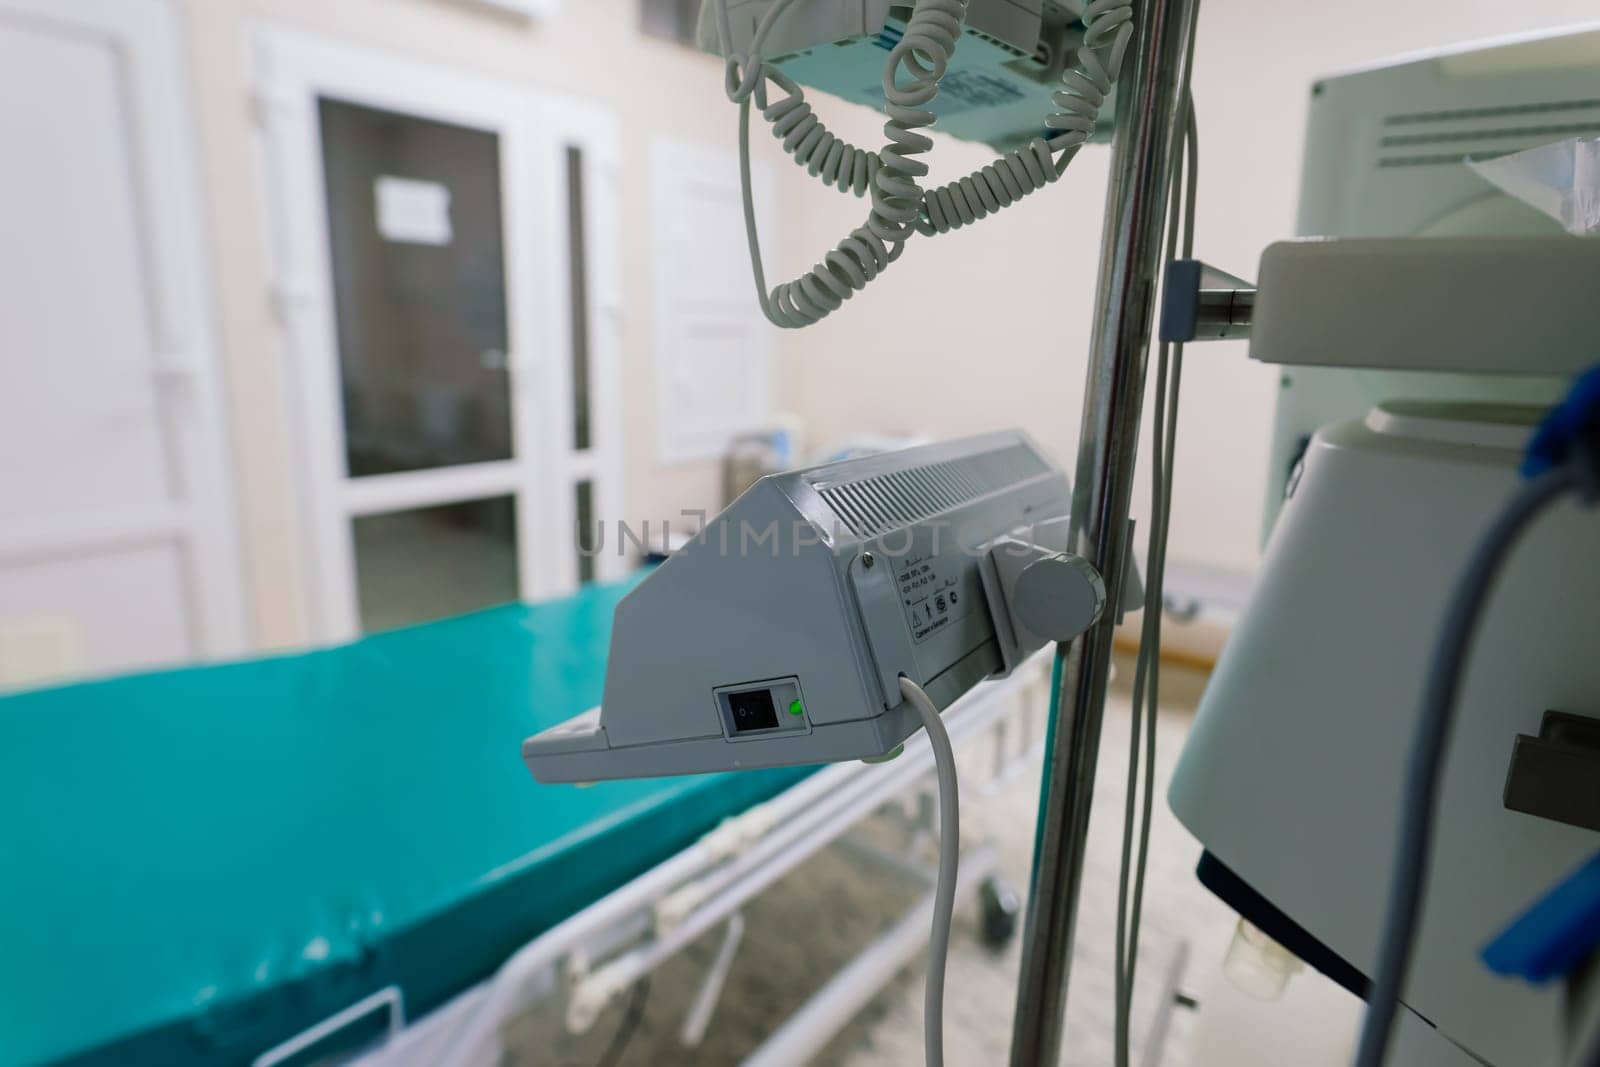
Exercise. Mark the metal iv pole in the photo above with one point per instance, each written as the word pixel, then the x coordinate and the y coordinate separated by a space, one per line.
pixel 1150 102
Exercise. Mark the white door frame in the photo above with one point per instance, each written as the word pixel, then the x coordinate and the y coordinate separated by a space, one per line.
pixel 146 37
pixel 292 71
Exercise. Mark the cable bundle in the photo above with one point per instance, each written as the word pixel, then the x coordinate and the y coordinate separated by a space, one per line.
pixel 892 175
pixel 1108 25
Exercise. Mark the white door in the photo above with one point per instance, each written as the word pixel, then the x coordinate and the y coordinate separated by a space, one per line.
pixel 117 541
pixel 450 314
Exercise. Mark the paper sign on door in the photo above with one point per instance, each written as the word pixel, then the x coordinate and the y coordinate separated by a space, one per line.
pixel 412 211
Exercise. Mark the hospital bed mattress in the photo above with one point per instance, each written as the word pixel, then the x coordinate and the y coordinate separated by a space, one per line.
pixel 197 864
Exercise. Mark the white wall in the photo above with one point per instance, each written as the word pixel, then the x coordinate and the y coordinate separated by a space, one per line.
pixel 989 327
pixel 592 50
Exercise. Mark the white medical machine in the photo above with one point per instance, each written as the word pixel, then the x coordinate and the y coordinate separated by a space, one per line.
pixel 1413 373
pixel 1383 158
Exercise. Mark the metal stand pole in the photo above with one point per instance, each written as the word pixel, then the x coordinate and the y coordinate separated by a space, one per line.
pixel 1149 125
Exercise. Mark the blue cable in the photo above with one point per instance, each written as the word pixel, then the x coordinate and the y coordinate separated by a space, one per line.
pixel 1571 432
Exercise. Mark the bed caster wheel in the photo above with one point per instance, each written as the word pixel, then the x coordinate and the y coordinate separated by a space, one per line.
pixel 1001 909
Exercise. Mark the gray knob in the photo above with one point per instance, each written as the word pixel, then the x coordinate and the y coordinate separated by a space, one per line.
pixel 1059 597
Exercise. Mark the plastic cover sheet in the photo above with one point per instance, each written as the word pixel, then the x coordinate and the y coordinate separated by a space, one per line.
pixel 1562 180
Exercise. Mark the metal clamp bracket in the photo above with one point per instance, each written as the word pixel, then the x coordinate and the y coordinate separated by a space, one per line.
pixel 1037 595
pixel 1202 303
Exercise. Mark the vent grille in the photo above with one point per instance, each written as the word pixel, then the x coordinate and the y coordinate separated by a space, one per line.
pixel 1004 46
pixel 1543 107
pixel 878 503
pixel 1450 137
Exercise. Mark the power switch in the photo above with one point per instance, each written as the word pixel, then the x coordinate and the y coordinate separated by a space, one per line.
pixel 765 710
pixel 753 710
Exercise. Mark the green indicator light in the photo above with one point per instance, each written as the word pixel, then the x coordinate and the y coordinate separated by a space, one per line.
pixel 795 708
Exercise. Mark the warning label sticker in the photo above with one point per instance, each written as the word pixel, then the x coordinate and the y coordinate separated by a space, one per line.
pixel 931 592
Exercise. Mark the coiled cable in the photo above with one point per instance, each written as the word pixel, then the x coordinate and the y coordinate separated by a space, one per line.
pixel 1108 27
pixel 863 254
pixel 900 206
pixel 923 54
pixel 1030 168
pixel 812 145
pixel 844 271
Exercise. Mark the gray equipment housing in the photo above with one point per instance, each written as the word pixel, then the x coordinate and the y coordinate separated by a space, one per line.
pixel 778 635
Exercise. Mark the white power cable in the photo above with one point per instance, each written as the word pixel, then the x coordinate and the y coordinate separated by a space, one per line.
pixel 944 894
pixel 900 207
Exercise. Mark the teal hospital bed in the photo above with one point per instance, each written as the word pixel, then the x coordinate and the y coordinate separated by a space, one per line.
pixel 198 863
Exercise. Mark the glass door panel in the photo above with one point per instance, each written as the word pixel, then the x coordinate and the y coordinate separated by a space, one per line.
pixel 416 241
pixel 430 563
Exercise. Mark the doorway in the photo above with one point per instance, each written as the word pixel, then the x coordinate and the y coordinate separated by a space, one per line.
pixel 446 258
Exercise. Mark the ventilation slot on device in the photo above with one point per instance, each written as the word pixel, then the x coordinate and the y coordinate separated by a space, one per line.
pixel 1437 138
pixel 878 503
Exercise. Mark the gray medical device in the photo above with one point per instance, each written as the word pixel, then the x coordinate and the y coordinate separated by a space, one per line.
pixel 779 634
pixel 1011 57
